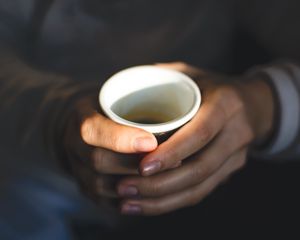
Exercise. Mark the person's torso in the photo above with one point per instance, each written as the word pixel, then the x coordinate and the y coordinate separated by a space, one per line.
pixel 90 41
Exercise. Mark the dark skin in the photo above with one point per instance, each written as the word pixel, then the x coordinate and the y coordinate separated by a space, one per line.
pixel 187 167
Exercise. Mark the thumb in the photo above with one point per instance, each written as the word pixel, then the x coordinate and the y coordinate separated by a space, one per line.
pixel 99 131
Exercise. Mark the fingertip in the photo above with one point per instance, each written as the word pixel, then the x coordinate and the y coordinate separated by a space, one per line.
pixel 150 168
pixel 131 208
pixel 133 140
pixel 145 143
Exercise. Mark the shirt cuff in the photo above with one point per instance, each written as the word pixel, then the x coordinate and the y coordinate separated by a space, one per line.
pixel 284 84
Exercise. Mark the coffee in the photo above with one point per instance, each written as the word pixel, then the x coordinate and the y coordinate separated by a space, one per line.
pixel 152 98
pixel 147 117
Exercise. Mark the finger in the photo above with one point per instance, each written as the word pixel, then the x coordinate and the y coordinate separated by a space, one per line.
pixel 207 123
pixel 188 197
pixel 201 166
pixel 105 161
pixel 98 131
pixel 189 70
pixel 210 119
pixel 94 184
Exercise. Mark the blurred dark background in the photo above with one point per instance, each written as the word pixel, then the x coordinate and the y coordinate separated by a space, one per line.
pixel 259 202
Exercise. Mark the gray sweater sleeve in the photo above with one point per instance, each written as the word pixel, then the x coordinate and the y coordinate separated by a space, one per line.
pixel 284 79
pixel 33 103
pixel 274 25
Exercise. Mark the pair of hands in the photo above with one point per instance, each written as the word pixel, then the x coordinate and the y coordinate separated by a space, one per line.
pixel 114 161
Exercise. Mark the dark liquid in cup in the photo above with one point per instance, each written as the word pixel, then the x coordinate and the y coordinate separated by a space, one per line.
pixel 147 117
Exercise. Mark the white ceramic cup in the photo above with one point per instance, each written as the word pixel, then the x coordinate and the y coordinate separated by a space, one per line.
pixel 150 89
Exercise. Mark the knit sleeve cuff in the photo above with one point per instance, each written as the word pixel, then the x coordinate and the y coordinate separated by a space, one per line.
pixel 283 81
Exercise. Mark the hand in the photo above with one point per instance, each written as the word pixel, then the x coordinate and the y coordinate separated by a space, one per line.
pixel 207 150
pixel 99 150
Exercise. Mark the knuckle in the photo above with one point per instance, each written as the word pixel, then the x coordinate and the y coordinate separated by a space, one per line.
pixel 228 91
pixel 248 134
pixel 118 146
pixel 111 141
pixel 245 132
pixel 241 162
pixel 197 173
pixel 168 158
pixel 87 131
pixel 200 172
pixel 152 188
pixel 228 95
pixel 204 134
pixel 238 105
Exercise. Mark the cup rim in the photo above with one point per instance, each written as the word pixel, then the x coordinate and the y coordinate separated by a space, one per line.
pixel 158 127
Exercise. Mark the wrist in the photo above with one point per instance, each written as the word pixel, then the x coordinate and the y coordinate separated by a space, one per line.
pixel 260 105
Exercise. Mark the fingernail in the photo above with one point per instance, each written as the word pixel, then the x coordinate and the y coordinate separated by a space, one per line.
pixel 131 209
pixel 144 144
pixel 151 168
pixel 128 191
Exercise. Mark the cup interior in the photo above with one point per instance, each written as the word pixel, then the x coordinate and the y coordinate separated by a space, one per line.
pixel 150 97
